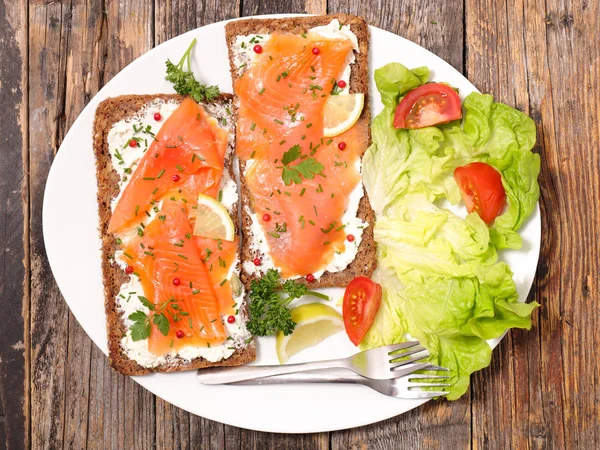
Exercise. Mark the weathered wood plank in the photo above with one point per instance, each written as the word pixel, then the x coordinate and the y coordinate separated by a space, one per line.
pixel 49 313
pixel 258 441
pixel 438 27
pixel 255 7
pixel 544 56
pixel 14 201
pixel 83 31
pixel 435 425
pixel 175 17
pixel 121 413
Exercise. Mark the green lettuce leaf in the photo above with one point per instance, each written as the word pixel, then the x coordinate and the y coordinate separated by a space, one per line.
pixel 441 279
pixel 443 285
pixel 394 80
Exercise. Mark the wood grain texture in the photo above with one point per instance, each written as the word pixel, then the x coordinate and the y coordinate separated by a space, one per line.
pixel 543 385
pixel 437 26
pixel 49 313
pixel 256 7
pixel 14 210
pixel 175 17
pixel 84 52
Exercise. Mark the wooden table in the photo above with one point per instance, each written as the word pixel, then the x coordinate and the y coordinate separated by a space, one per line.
pixel 543 387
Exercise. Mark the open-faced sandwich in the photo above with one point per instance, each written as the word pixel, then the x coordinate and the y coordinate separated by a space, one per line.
pixel 168 207
pixel 300 86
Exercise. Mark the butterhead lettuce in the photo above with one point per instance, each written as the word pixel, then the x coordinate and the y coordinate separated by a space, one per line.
pixel 442 281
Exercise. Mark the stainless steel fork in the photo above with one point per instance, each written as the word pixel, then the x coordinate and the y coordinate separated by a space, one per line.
pixel 381 363
pixel 409 386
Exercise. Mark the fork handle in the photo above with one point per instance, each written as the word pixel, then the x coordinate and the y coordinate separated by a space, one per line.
pixel 303 377
pixel 222 375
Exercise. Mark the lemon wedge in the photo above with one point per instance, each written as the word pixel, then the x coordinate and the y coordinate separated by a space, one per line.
pixel 314 323
pixel 213 220
pixel 341 112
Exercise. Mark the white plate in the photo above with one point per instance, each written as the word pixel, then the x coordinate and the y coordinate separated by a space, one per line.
pixel 70 221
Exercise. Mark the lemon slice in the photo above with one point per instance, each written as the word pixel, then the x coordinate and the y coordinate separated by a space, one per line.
pixel 341 112
pixel 213 220
pixel 314 323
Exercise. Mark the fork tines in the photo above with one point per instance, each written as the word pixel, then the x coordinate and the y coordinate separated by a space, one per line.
pixel 415 387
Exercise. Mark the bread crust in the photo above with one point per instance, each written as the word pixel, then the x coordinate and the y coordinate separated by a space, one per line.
pixel 365 262
pixel 109 112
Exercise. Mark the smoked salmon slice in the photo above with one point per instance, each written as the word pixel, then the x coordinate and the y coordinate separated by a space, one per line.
pixel 219 257
pixel 282 97
pixel 176 281
pixel 182 288
pixel 188 154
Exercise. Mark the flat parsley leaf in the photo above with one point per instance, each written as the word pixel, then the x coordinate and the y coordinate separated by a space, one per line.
pixel 307 168
pixel 146 302
pixel 184 82
pixel 291 155
pixel 161 321
pixel 138 317
pixel 140 331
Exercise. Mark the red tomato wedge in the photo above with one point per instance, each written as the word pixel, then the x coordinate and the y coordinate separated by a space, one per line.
pixel 362 300
pixel 481 188
pixel 427 105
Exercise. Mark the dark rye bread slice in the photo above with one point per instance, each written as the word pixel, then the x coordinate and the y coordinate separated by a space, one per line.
pixel 366 258
pixel 108 113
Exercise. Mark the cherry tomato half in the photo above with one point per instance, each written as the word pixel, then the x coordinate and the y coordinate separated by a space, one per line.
pixel 427 105
pixel 362 300
pixel 481 188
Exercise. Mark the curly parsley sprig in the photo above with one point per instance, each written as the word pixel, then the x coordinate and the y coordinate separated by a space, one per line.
pixel 269 298
pixel 184 82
